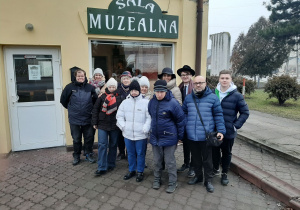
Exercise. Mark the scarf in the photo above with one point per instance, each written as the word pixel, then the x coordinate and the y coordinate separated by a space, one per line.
pixel 199 94
pixel 125 88
pixel 110 103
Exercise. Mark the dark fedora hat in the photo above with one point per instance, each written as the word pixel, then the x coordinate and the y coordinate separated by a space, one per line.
pixel 186 68
pixel 168 71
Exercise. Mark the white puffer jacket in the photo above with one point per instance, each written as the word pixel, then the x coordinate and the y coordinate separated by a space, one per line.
pixel 133 118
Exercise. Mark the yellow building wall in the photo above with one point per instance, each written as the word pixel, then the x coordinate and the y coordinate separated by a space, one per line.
pixel 63 24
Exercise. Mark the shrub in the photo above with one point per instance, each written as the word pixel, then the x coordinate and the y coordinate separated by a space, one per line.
pixel 283 88
pixel 212 82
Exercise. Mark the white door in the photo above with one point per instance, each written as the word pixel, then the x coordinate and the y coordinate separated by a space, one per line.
pixel 34 88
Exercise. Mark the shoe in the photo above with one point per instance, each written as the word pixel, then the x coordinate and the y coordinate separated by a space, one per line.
pixel 121 156
pixel 76 161
pixel 216 172
pixel 209 187
pixel 191 173
pixel 129 175
pixel 224 179
pixel 171 187
pixel 195 180
pixel 100 172
pixel 156 183
pixel 110 168
pixel 140 177
pixel 90 158
pixel 183 168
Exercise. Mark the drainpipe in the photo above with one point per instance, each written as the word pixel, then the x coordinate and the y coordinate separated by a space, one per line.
pixel 199 36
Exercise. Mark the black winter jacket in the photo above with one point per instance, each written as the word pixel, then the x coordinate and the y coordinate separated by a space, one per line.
pixel 79 98
pixel 233 104
pixel 101 119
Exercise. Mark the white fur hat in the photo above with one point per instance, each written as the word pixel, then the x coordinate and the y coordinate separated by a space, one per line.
pixel 144 81
pixel 112 82
pixel 98 71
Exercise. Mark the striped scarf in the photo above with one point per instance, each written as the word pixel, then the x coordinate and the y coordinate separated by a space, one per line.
pixel 110 104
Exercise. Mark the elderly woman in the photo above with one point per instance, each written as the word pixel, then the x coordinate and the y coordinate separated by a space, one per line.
pixel 170 78
pixel 123 91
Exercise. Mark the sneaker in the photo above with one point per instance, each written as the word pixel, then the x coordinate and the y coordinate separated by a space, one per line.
pixel 183 168
pixel 120 156
pixel 156 183
pixel 171 187
pixel 191 173
pixel 76 161
pixel 129 175
pixel 195 180
pixel 209 187
pixel 90 158
pixel 216 172
pixel 100 172
pixel 140 177
pixel 224 179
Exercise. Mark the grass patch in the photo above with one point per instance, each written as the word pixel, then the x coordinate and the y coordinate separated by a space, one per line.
pixel 258 101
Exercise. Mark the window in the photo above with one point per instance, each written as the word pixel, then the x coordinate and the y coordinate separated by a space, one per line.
pixel 147 59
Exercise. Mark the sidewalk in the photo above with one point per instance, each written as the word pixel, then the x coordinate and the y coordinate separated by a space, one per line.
pixel 267 153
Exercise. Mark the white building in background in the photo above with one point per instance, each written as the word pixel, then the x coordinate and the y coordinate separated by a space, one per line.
pixel 220 52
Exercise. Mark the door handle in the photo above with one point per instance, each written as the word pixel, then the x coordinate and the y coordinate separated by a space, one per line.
pixel 15 99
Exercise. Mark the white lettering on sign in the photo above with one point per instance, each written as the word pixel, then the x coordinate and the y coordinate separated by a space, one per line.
pixel 112 22
pixel 143 24
pixel 162 25
pixel 93 21
pixel 128 3
pixel 173 25
pixel 121 23
pixel 151 26
pixel 130 21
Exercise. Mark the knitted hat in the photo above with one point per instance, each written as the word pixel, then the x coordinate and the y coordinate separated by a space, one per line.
pixel 168 71
pixel 144 81
pixel 98 71
pixel 134 85
pixel 112 82
pixel 126 74
pixel 160 85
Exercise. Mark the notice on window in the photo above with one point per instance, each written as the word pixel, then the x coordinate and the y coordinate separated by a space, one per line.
pixel 34 72
pixel 46 68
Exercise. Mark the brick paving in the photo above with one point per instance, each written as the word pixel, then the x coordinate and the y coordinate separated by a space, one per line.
pixel 46 179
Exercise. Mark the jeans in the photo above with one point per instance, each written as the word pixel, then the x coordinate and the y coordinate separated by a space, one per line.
pixel 167 154
pixel 226 148
pixel 88 135
pixel 107 159
pixel 202 157
pixel 136 154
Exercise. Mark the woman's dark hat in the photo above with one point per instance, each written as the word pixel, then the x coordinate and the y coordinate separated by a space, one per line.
pixel 186 68
pixel 168 71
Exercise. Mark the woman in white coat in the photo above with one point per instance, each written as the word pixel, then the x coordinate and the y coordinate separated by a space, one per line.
pixel 134 121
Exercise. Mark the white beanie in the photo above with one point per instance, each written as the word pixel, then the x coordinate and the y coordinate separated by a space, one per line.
pixel 144 81
pixel 98 71
pixel 112 82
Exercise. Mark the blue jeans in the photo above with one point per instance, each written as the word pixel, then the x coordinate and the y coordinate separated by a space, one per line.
pixel 107 159
pixel 136 154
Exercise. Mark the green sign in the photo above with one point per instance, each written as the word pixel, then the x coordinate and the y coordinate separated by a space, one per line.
pixel 142 18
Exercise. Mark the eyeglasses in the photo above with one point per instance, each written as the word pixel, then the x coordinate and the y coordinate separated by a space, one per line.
pixel 185 75
pixel 199 83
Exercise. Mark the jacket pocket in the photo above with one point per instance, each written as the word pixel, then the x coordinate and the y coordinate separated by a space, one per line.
pixel 169 133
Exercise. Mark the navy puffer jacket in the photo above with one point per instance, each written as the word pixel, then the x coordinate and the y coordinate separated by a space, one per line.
pixel 168 121
pixel 233 104
pixel 79 98
pixel 211 112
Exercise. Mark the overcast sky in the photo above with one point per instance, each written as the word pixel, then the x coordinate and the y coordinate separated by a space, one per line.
pixel 234 16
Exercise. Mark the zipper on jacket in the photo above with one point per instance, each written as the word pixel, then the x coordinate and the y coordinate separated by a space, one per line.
pixel 165 132
pixel 157 120
pixel 133 119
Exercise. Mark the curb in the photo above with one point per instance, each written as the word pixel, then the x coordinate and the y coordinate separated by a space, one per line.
pixel 270 148
pixel 275 187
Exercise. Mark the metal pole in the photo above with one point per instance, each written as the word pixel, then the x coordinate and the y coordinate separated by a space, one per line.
pixel 199 36
pixel 244 87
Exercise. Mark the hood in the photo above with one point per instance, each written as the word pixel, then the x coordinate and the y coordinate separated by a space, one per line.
pixel 77 83
pixel 230 89
pixel 171 84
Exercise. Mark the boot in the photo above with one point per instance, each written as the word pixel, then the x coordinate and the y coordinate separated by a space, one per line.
pixel 195 180
pixel 129 175
pixel 140 177
pixel 156 183
pixel 171 187
pixel 76 160
pixel 224 179
pixel 209 186
pixel 90 157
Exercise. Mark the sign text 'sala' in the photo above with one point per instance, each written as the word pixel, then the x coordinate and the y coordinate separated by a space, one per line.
pixel 142 18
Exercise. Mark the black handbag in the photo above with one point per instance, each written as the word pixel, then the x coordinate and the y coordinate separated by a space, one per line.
pixel 211 138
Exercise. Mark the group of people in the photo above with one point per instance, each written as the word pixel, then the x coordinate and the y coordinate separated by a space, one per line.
pixel 127 115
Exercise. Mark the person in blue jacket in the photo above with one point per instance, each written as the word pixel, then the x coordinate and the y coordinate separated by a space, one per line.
pixel 167 127
pixel 212 115
pixel 232 103
pixel 78 97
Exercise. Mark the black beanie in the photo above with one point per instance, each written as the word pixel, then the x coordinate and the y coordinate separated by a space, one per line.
pixel 160 85
pixel 134 85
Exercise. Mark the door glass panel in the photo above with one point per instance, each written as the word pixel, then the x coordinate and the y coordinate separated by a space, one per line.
pixel 34 77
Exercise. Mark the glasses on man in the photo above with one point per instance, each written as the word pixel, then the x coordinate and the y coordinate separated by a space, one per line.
pixel 185 75
pixel 199 83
